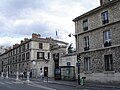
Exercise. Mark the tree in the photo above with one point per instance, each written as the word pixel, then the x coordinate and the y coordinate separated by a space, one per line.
pixel 70 48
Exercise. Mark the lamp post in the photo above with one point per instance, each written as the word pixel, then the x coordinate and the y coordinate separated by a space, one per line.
pixel 78 56
pixel 78 65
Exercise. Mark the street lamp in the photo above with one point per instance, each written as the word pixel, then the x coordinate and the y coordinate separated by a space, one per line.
pixel 78 57
pixel 78 65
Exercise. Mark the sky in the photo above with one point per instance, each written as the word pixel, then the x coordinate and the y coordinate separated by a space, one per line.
pixel 20 18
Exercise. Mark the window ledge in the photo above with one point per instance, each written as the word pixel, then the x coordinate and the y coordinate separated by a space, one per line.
pixel 109 72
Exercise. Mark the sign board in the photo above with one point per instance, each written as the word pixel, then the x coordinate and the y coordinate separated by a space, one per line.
pixel 77 64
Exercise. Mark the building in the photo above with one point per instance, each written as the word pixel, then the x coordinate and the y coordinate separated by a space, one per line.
pixel 98 42
pixel 32 55
pixel 68 66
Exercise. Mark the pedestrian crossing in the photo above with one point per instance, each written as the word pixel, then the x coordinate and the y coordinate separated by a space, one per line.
pixel 2 83
pixel 10 82
pixel 31 84
pixel 40 86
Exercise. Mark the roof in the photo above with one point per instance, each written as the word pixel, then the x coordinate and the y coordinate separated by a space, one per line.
pixel 95 10
pixel 46 40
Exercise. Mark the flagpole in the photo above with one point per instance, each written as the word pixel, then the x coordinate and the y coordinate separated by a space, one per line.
pixel 57 34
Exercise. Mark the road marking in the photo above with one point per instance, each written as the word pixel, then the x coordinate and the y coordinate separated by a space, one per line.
pixel 40 86
pixel 9 86
pixel 17 82
pixel 2 83
pixel 8 82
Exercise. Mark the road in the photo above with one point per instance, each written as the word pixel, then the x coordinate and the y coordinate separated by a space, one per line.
pixel 7 84
pixel 12 84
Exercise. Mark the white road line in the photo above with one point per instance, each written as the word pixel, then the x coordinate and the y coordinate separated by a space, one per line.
pixel 17 82
pixel 40 86
pixel 2 83
pixel 8 82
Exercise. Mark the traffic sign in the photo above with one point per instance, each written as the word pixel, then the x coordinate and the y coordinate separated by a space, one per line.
pixel 78 64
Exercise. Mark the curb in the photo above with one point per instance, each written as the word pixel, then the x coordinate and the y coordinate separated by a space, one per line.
pixel 62 84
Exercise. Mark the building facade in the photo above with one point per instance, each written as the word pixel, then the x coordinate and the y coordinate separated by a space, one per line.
pixel 98 42
pixel 31 55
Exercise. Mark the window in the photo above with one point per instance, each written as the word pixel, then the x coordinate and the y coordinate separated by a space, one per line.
pixel 13 52
pixel 16 51
pixel 105 17
pixel 107 38
pixel 23 56
pixel 68 63
pixel 85 24
pixel 40 55
pixel 19 57
pixel 23 48
pixel 19 49
pixel 108 62
pixel 40 46
pixel 86 43
pixel 27 55
pixel 16 59
pixel 28 46
pixel 13 59
pixel 48 55
pixel 87 63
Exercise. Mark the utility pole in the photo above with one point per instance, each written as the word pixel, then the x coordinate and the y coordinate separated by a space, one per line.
pixel 78 64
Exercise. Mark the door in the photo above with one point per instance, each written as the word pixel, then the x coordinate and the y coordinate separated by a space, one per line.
pixel 45 71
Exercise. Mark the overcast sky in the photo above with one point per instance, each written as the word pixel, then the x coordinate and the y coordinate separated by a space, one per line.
pixel 21 18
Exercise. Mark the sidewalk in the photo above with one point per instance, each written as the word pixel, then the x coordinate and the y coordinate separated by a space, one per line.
pixel 75 83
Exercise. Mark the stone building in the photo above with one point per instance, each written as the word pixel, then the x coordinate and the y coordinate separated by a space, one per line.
pixel 32 55
pixel 97 35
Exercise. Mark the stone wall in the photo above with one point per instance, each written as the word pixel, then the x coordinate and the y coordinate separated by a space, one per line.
pixel 94 19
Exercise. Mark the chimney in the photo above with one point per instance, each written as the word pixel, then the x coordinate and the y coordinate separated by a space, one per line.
pixel 26 39
pixel 102 2
pixel 16 45
pixel 34 35
pixel 22 41
pixel 10 48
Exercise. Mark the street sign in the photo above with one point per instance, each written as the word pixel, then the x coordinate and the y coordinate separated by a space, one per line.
pixel 78 64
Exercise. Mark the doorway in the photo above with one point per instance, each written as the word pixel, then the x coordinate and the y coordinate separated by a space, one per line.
pixel 45 71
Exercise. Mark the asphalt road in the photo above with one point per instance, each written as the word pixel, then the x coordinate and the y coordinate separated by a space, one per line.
pixel 12 84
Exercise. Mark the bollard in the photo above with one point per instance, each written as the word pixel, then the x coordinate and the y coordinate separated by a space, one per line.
pixel 2 75
pixel 17 76
pixel 7 74
pixel 28 77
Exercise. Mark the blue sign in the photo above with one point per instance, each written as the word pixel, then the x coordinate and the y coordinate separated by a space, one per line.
pixel 78 64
